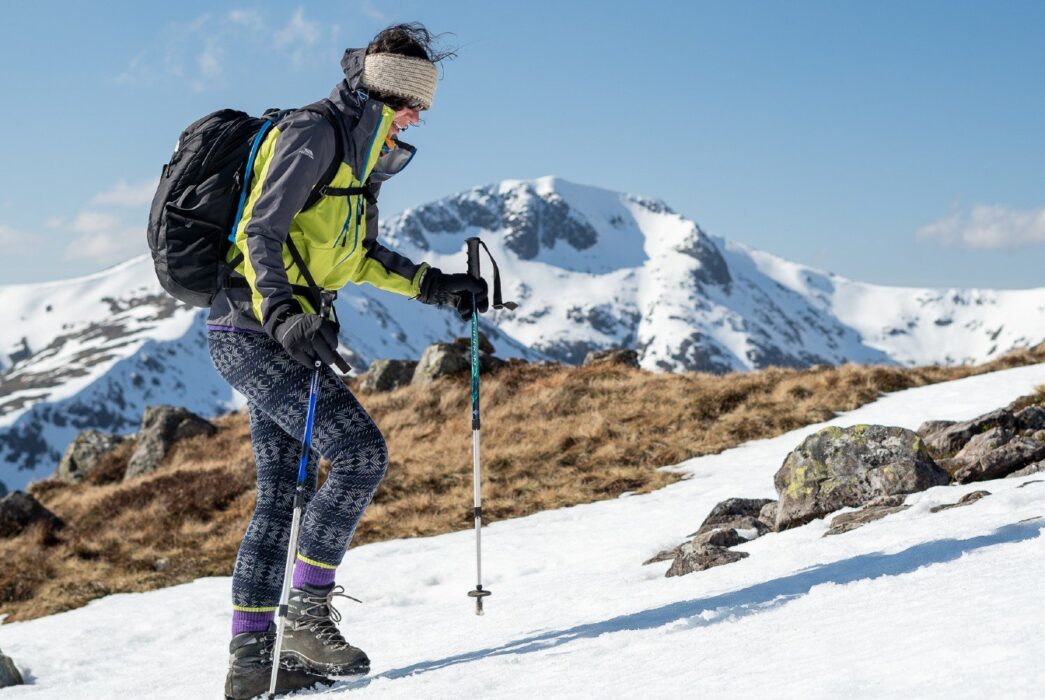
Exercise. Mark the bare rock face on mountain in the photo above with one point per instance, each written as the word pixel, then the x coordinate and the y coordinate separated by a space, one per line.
pixel 84 453
pixel 19 510
pixel 161 427
pixel 386 375
pixel 613 356
pixel 847 467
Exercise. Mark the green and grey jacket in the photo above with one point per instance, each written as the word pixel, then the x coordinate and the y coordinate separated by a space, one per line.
pixel 337 236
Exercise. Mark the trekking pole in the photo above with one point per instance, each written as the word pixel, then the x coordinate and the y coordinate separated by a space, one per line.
pixel 295 521
pixel 479 593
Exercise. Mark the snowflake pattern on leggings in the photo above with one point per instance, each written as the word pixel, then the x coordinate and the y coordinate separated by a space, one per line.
pixel 276 388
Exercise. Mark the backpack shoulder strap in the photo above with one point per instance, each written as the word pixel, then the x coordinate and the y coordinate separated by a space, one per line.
pixel 326 109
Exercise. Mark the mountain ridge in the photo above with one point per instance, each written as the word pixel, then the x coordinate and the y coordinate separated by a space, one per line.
pixel 590 268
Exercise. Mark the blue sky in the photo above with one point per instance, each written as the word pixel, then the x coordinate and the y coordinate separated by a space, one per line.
pixel 892 142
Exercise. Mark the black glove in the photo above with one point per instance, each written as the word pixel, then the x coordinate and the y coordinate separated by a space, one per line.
pixel 455 290
pixel 305 337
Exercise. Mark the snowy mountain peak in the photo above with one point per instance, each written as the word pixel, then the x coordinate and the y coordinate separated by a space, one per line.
pixel 590 268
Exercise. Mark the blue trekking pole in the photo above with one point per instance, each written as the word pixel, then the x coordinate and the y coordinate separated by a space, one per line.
pixel 477 513
pixel 295 522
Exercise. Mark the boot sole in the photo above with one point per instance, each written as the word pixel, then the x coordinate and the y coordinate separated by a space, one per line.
pixel 323 669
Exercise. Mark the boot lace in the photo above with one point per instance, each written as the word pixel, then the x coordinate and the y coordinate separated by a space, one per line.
pixel 319 616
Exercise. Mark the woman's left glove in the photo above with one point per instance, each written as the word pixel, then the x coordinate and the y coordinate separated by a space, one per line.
pixel 305 337
pixel 455 290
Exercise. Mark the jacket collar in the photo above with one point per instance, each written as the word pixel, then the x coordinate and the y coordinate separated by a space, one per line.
pixel 361 117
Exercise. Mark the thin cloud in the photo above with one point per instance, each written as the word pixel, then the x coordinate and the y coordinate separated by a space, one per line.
pixel 370 10
pixel 987 227
pixel 210 60
pixel 298 31
pixel 251 19
pixel 123 194
pixel 15 242
pixel 111 228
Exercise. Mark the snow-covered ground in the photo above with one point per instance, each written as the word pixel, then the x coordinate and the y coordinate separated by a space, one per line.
pixel 915 605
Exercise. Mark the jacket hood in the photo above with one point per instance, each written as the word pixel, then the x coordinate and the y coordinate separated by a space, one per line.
pixel 352 65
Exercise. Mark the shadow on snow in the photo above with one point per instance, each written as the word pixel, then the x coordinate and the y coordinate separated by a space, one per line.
pixel 746 601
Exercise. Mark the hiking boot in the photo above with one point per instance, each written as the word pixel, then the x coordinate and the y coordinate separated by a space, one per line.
pixel 312 637
pixel 250 668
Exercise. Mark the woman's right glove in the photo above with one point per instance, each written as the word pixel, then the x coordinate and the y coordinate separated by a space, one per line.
pixel 455 290
pixel 305 337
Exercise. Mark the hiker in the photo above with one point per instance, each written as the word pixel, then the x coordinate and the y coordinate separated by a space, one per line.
pixel 265 336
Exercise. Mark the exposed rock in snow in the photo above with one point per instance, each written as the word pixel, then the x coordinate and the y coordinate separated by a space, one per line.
pixel 692 557
pixel 847 467
pixel 9 673
pixel 967 499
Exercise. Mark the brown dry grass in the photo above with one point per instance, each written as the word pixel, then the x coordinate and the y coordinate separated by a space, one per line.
pixel 552 437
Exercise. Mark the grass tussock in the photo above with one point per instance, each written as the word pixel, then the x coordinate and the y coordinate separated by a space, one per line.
pixel 552 437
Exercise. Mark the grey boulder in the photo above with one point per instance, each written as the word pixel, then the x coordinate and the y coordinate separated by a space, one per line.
pixel 952 438
pixel 848 467
pixel 9 673
pixel 386 375
pixel 444 359
pixel 84 453
pixel 612 356
pixel 19 510
pixel 162 426
pixel 690 558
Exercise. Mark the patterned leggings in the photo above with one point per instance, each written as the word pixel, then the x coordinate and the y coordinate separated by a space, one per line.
pixel 276 388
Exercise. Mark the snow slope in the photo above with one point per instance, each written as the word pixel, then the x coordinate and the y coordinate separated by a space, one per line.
pixel 590 268
pixel 923 605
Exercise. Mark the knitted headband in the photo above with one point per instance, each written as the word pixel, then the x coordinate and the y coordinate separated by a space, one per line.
pixel 403 76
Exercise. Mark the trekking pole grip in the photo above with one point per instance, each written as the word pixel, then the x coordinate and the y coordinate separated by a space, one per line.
pixel 473 257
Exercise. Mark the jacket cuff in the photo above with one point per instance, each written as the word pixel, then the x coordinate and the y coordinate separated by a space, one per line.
pixel 280 313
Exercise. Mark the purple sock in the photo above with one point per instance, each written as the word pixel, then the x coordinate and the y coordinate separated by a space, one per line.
pixel 251 621
pixel 311 574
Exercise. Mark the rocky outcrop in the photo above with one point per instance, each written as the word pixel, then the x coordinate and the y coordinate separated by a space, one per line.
pixel 952 437
pixel 612 356
pixel 691 557
pixel 731 522
pixel 741 515
pixel 9 673
pixel 1033 468
pixel 444 359
pixel 161 427
pixel 19 510
pixel 3 489
pixel 847 467
pixel 877 509
pixel 967 499
pixel 84 453
pixel 386 375
pixel 998 452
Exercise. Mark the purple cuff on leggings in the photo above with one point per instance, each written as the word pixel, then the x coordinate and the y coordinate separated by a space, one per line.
pixel 305 573
pixel 251 621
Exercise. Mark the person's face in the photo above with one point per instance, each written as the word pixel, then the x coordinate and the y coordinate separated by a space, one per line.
pixel 404 118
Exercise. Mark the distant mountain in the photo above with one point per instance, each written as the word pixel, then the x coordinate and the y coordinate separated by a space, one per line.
pixel 590 269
